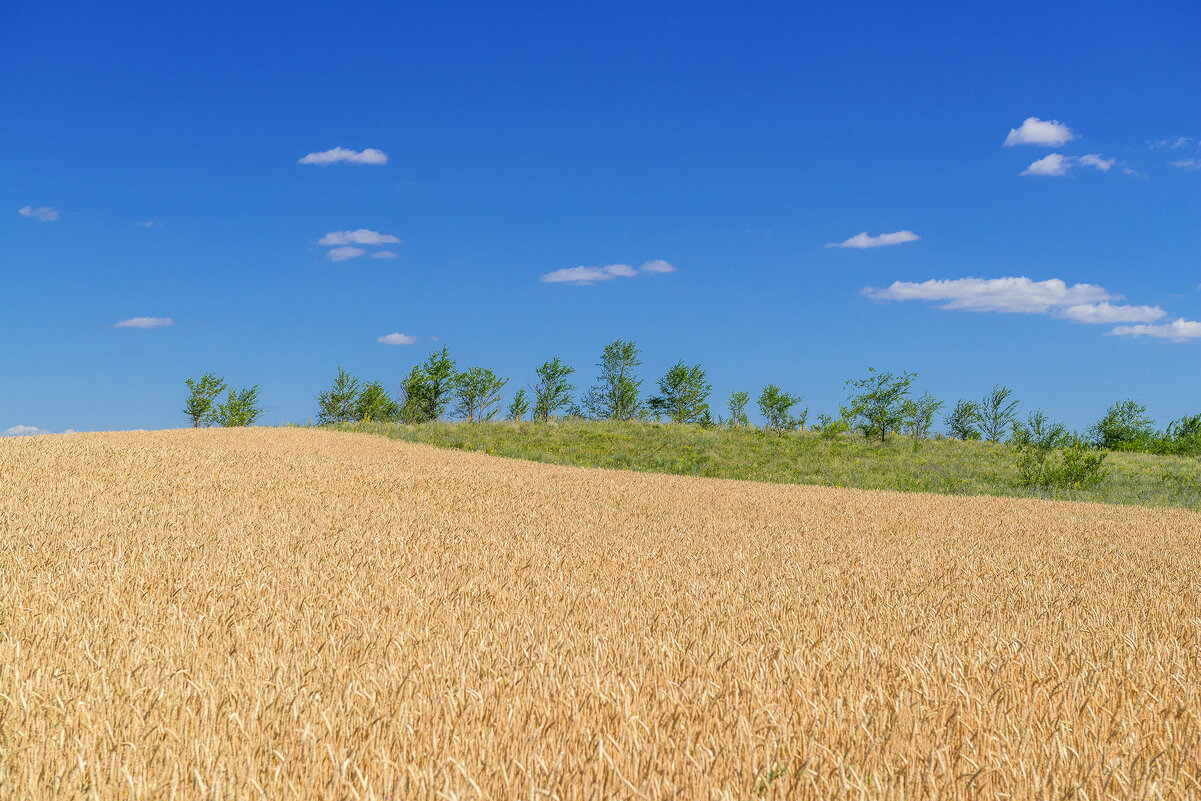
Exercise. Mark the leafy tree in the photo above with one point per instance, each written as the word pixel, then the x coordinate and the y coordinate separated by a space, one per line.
pixel 997 413
pixel 241 408
pixel 964 420
pixel 877 404
pixel 1184 436
pixel 519 407
pixel 615 396
pixel 428 387
pixel 1035 444
pixel 552 390
pixel 737 405
pixel 202 393
pixel 683 394
pixel 1125 426
pixel 477 394
pixel 338 404
pixel 776 407
pixel 919 415
pixel 374 403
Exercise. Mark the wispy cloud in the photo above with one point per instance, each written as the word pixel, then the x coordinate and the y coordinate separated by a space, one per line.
pixel 345 253
pixel 583 276
pixel 144 322
pixel 1095 160
pixel 1054 164
pixel 862 240
pixel 41 213
pixel 383 254
pixel 24 431
pixel 1049 133
pixel 150 224
pixel 334 155
pixel 362 236
pixel 1188 165
pixel 1179 330
pixel 1006 295
pixel 1106 313
pixel 1174 144
pixel 397 338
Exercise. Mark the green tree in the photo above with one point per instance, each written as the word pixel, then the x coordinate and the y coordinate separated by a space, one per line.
pixel 552 390
pixel 997 413
pixel 919 415
pixel 737 406
pixel 519 407
pixel 374 403
pixel 427 390
pixel 776 407
pixel 241 408
pixel 615 396
pixel 964 420
pixel 337 405
pixel 202 393
pixel 877 402
pixel 683 394
pixel 477 394
pixel 1125 426
pixel 1035 445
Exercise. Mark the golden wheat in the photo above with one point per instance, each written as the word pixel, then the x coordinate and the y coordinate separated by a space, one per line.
pixel 299 613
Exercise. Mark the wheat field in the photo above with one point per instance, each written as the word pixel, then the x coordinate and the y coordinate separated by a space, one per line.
pixel 290 613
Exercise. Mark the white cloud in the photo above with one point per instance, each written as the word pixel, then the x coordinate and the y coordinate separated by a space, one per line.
pixel 1135 173
pixel 1006 295
pixel 383 254
pixel 362 236
pixel 334 155
pixel 1054 164
pixel 588 275
pixel 1178 330
pixel 150 224
pixel 1050 133
pixel 41 213
pixel 144 322
pixel 864 241
pixel 658 266
pixel 1106 313
pixel 1188 165
pixel 397 339
pixel 1095 160
pixel 344 253
pixel 24 431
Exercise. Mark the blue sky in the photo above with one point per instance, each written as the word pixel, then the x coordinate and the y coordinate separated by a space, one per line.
pixel 151 162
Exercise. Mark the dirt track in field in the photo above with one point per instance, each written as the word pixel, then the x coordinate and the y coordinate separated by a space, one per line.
pixel 299 613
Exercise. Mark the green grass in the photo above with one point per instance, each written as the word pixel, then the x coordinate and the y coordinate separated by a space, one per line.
pixel 941 466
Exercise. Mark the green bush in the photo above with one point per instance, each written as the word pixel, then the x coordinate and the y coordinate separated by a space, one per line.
pixel 1050 457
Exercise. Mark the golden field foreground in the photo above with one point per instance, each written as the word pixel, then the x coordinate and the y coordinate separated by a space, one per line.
pixel 300 613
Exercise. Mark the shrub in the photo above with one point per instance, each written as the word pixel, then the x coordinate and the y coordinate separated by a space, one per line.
pixel 426 391
pixel 737 406
pixel 241 408
pixel 997 413
pixel 477 394
pixel 201 394
pixel 919 416
pixel 1049 456
pixel 1124 427
pixel 615 396
pixel 374 403
pixel 776 407
pixel 1183 436
pixel 683 394
pixel 964 420
pixel 519 407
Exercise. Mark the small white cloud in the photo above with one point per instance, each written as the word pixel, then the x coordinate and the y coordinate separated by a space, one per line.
pixel 1054 164
pixel 397 339
pixel 144 322
pixel 1094 160
pixel 1106 313
pixel 1178 330
pixel 1135 173
pixel 345 253
pixel 334 155
pixel 24 431
pixel 362 236
pixel 1005 295
pixel 1188 165
pixel 41 213
pixel 864 241
pixel 588 275
pixel 150 224
pixel 1049 133
pixel 383 254
pixel 658 266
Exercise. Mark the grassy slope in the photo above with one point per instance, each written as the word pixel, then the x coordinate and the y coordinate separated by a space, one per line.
pixel 942 466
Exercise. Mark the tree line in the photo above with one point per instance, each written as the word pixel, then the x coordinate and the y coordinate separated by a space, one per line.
pixel 878 405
